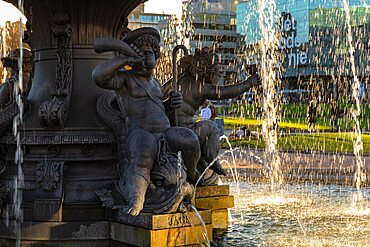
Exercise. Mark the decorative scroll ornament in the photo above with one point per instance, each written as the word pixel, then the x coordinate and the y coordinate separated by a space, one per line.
pixel 48 174
pixel 53 113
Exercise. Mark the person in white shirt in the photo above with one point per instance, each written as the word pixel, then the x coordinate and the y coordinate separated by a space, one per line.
pixel 206 111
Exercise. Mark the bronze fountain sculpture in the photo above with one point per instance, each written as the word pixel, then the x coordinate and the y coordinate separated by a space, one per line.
pixel 151 141
pixel 197 80
pixel 96 131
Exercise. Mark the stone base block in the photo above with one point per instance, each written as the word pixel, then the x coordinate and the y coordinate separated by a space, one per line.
pixel 179 236
pixel 220 219
pixel 214 203
pixel 159 221
pixel 143 230
pixel 210 191
pixel 218 200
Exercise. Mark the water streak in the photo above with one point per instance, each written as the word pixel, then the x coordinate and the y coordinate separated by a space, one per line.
pixel 17 123
pixel 267 18
pixel 179 173
pixel 193 218
pixel 357 143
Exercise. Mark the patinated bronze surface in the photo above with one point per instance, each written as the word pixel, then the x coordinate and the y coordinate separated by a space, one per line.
pixel 151 145
pixel 90 138
pixel 198 75
pixel 69 151
pixel 8 106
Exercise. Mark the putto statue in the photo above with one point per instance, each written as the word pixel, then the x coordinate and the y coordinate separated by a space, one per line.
pixel 8 105
pixel 198 75
pixel 152 179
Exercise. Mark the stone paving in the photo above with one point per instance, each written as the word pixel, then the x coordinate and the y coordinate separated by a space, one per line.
pixel 293 164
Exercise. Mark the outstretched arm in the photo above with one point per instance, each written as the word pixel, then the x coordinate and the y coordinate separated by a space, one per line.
pixel 212 92
pixel 104 74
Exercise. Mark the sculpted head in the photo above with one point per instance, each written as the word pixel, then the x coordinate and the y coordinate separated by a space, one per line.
pixel 205 65
pixel 11 61
pixel 148 47
pixel 145 42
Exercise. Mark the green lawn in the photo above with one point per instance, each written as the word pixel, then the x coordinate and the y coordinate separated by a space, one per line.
pixel 296 123
pixel 293 117
pixel 328 142
pixel 294 120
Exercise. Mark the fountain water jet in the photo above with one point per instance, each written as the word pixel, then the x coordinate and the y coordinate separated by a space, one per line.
pixel 17 128
pixel 268 46
pixel 357 142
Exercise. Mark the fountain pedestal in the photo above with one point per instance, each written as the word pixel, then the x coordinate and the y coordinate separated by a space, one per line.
pixel 69 152
pixel 218 200
pixel 118 229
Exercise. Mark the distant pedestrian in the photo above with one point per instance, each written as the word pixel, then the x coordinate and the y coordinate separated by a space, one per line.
pixel 334 111
pixel 311 115
pixel 226 111
pixel 213 110
pixel 240 133
pixel 206 111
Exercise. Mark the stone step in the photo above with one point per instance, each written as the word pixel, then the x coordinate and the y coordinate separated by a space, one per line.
pixel 162 230
pixel 220 218
pixel 158 221
pixel 179 236
pixel 210 191
pixel 215 202
pixel 216 199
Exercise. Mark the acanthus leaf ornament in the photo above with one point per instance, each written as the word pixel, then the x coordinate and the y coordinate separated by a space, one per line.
pixel 53 113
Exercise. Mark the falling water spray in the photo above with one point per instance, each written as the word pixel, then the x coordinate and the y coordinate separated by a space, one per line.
pixel 267 18
pixel 17 123
pixel 357 143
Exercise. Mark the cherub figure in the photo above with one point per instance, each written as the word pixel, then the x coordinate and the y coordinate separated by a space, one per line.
pixel 8 104
pixel 7 88
pixel 197 82
pixel 141 102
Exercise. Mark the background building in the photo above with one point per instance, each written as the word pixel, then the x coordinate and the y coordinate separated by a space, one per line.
pixel 312 43
pixel 138 18
pixel 202 23
pixel 9 40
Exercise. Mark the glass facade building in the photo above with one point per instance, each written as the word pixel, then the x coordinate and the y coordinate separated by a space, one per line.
pixel 311 40
pixel 202 23
pixel 138 18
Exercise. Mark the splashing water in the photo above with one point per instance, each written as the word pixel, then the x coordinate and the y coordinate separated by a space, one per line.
pixel 179 173
pixel 200 232
pixel 191 212
pixel 234 172
pixel 357 142
pixel 296 215
pixel 266 9
pixel 17 123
